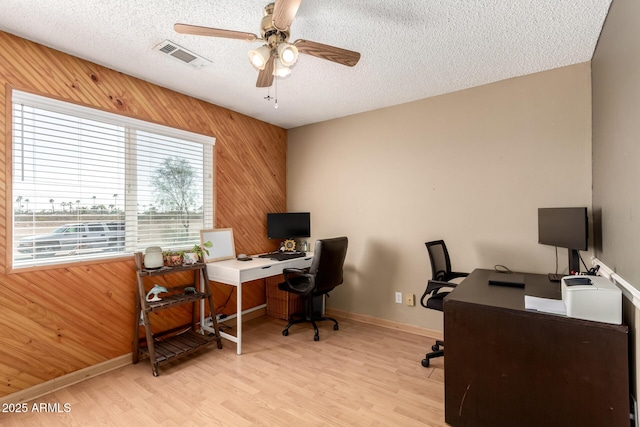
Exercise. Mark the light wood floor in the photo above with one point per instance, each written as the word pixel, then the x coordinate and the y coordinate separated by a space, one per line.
pixel 361 375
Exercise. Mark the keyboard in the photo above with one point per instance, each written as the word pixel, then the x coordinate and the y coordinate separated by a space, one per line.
pixel 282 256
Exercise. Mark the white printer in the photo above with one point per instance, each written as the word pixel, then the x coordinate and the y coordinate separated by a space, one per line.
pixel 592 298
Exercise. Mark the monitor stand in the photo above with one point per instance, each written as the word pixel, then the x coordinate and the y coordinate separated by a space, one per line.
pixel 574 261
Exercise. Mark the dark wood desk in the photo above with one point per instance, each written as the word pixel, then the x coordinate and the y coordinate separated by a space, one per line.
pixel 506 366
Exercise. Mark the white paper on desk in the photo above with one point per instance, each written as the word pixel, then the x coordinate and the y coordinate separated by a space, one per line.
pixel 546 305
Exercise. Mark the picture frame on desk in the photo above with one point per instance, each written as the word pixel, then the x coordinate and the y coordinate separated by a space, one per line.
pixel 222 245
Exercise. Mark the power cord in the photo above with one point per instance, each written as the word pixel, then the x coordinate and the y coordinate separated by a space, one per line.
pixel 502 269
pixel 589 271
pixel 593 271
pixel 582 261
pixel 219 315
pixel 221 308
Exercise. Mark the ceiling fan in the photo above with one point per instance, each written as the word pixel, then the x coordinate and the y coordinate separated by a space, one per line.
pixel 277 55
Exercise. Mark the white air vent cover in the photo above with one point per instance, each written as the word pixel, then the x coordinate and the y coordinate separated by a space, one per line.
pixel 182 54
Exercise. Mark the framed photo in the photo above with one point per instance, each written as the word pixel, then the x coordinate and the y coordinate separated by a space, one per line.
pixel 222 246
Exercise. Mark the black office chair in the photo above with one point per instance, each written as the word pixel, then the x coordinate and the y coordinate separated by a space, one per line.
pixel 441 275
pixel 322 277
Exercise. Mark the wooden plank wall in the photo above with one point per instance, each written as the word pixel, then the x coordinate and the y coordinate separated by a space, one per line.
pixel 55 321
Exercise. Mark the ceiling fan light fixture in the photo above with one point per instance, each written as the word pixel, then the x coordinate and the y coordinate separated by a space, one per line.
pixel 259 57
pixel 287 53
pixel 276 53
pixel 281 71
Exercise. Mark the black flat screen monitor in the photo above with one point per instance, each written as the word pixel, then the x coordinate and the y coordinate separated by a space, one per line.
pixel 288 225
pixel 564 228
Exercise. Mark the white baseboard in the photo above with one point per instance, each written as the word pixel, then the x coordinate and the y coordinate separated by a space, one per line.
pixel 66 380
pixel 386 323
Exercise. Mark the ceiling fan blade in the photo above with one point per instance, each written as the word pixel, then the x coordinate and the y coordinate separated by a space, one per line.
pixel 265 77
pixel 213 32
pixel 283 13
pixel 330 53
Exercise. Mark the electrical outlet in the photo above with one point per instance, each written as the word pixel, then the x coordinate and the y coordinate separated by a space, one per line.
pixel 411 300
pixel 398 297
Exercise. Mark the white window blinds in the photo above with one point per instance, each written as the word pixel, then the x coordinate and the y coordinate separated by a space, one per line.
pixel 89 184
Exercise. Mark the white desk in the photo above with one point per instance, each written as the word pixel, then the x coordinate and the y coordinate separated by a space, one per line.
pixel 235 273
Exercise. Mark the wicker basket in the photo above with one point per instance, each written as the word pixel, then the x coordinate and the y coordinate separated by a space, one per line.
pixel 281 304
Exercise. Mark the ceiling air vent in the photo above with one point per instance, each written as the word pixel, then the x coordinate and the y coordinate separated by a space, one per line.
pixel 182 54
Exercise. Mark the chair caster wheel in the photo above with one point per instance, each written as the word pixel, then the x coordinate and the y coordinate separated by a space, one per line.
pixel 435 347
pixel 316 338
pixel 335 327
pixel 425 363
pixel 285 332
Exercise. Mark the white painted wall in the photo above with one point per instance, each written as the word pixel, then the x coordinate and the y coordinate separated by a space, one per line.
pixel 616 108
pixel 470 167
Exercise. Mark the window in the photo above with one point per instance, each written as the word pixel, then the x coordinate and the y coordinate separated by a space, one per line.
pixel 88 184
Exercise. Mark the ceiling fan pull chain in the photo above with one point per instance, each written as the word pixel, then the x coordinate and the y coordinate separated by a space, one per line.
pixel 276 83
pixel 268 97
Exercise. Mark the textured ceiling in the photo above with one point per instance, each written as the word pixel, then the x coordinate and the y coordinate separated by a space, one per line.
pixel 411 49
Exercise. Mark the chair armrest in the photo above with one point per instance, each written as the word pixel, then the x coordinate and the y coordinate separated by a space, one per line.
pixel 455 274
pixel 289 273
pixel 298 281
pixel 300 271
pixel 433 286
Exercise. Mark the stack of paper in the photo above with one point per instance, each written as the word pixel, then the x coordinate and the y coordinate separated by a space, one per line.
pixel 545 305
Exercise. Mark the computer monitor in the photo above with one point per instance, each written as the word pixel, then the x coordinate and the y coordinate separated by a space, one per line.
pixel 565 228
pixel 288 225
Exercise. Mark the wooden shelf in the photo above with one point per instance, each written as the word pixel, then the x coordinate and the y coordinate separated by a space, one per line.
pixel 168 270
pixel 170 347
pixel 177 346
pixel 174 300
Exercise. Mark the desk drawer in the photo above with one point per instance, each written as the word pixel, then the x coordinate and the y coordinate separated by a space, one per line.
pixel 260 272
